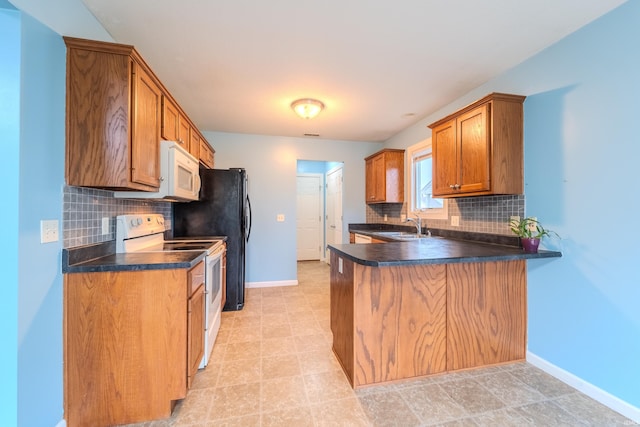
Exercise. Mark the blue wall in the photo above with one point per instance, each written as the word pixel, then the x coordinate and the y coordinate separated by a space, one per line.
pixel 271 164
pixel 9 176
pixel 581 153
pixel 39 167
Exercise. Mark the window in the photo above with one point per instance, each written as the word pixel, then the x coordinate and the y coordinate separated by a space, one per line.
pixel 421 201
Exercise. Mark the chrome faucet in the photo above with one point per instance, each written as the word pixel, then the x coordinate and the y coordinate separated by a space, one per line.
pixel 418 222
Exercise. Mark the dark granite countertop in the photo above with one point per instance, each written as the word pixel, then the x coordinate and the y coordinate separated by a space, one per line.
pixel 102 257
pixel 434 250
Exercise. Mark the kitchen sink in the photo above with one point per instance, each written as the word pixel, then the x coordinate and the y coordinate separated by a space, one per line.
pixel 400 235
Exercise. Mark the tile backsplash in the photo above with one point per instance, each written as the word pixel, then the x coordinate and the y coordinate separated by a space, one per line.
pixel 486 214
pixel 84 208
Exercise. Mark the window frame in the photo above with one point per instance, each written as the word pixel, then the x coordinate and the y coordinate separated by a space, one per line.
pixel 413 152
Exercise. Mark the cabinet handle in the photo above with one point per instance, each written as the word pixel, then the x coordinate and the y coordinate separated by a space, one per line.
pixel 452 186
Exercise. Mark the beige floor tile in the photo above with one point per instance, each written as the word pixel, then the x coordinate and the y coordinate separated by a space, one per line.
pixel 283 393
pixel 431 404
pixel 345 412
pixel 541 381
pixel 278 346
pixel 471 396
pixel 245 322
pixel 546 414
pixel 509 389
pixel 274 319
pixel 243 421
pixel 317 361
pixel 326 386
pixel 312 342
pixel 247 333
pixel 242 350
pixel 240 371
pixel 280 366
pixel 280 330
pixel 231 401
pixel 589 411
pixel 298 417
pixel 206 378
pixel 388 409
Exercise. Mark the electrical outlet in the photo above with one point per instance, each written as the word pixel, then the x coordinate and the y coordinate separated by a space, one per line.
pixel 455 220
pixel 280 218
pixel 514 218
pixel 105 225
pixel 385 218
pixel 48 230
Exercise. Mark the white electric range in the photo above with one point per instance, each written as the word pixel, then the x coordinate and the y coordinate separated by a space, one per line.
pixel 145 233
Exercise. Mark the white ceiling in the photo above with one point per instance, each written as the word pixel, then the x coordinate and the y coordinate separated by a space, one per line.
pixel 378 65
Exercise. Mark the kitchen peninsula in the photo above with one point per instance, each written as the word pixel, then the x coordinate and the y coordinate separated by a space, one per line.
pixel 403 310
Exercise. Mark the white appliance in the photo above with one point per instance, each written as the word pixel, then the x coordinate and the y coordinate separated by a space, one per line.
pixel 179 176
pixel 145 233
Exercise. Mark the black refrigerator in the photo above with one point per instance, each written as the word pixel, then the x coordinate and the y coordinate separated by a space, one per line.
pixel 223 209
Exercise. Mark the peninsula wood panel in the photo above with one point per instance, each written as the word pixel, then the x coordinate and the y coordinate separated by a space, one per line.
pixel 125 340
pixel 400 322
pixel 486 313
pixel 341 294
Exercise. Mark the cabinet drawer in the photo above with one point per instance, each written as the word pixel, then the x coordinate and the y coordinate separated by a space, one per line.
pixel 195 278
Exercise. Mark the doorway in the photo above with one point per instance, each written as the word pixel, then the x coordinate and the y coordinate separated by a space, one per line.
pixel 309 216
pixel 319 215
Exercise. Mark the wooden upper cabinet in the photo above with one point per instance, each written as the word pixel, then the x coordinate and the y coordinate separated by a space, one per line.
pixel 170 119
pixel 194 143
pixel 145 147
pixel 384 174
pixel 112 118
pixel 206 154
pixel 479 150
pixel 184 132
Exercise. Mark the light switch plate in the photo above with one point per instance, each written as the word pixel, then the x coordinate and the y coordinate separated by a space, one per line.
pixel 48 230
pixel 455 220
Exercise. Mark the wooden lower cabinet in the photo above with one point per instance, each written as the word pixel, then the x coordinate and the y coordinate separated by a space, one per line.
pixel 399 322
pixel 195 321
pixel 125 345
pixel 486 313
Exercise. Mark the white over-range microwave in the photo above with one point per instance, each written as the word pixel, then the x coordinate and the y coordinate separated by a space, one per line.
pixel 179 176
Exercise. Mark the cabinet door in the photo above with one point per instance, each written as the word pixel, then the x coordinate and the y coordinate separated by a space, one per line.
pixel 206 154
pixel 194 144
pixel 170 120
pixel 145 142
pixel 195 333
pixel 445 158
pixel 375 176
pixel 184 132
pixel 474 155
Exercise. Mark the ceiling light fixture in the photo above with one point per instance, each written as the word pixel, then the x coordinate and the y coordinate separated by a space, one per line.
pixel 307 108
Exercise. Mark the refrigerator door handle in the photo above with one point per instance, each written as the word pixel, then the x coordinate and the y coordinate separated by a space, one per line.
pixel 250 221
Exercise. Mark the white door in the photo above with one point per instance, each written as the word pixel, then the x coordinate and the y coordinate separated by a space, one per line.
pixel 309 216
pixel 334 208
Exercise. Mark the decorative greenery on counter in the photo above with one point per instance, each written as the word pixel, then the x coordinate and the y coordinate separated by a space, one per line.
pixel 530 232
pixel 529 227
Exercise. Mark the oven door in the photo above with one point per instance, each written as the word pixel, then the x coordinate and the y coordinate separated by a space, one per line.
pixel 213 305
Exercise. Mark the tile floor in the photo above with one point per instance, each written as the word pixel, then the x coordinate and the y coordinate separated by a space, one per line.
pixel 273 366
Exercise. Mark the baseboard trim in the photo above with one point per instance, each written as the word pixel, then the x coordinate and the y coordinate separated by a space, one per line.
pixel 596 393
pixel 271 284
